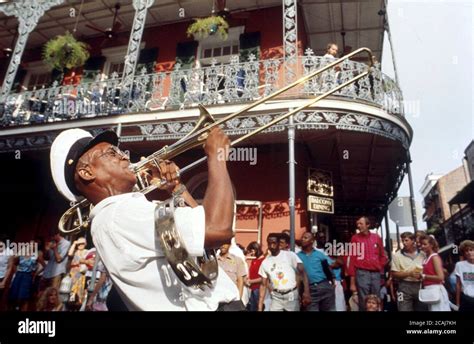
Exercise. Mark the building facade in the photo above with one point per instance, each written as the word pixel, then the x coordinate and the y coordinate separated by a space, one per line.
pixel 146 83
pixel 443 216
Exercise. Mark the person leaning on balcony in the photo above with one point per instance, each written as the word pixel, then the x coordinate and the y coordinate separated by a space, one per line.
pixel 331 53
pixel 406 263
pixel 123 222
pixel 367 262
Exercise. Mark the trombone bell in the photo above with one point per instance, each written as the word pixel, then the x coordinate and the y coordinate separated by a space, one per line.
pixel 205 119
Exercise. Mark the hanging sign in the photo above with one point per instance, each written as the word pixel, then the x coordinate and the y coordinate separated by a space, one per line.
pixel 320 182
pixel 320 204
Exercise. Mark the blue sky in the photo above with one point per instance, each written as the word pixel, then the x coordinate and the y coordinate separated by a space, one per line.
pixel 433 43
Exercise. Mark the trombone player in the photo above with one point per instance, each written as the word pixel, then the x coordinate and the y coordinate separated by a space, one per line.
pixel 123 221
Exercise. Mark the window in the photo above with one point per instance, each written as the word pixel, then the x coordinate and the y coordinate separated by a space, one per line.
pixel 37 76
pixel 39 80
pixel 222 52
pixel 115 67
pixel 115 60
pixel 212 47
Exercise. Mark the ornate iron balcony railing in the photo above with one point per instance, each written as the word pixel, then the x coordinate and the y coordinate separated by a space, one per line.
pixel 236 82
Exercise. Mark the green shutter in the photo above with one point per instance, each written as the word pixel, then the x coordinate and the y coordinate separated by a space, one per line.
pixel 92 68
pixel 186 54
pixel 249 44
pixel 147 59
pixel 56 75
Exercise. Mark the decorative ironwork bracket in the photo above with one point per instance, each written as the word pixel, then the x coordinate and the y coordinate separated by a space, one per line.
pixel 133 51
pixel 28 14
pixel 290 39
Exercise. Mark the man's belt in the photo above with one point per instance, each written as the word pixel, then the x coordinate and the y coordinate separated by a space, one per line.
pixel 318 283
pixel 368 270
pixel 284 292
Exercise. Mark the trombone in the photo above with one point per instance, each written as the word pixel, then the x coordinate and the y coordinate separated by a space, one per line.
pixel 199 134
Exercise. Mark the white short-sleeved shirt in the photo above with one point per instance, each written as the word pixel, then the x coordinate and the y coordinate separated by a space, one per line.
pixel 280 270
pixel 465 271
pixel 123 231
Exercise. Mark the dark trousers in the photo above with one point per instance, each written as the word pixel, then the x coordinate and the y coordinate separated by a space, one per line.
pixel 467 303
pixel 114 301
pixel 233 306
pixel 252 306
pixel 368 282
pixel 323 297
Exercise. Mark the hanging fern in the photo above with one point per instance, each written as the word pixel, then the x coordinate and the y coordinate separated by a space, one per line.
pixel 65 52
pixel 203 27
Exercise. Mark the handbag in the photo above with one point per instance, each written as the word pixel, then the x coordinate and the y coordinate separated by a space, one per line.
pixel 429 296
pixel 66 285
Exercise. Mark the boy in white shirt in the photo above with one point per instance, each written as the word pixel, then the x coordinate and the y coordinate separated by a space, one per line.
pixel 464 271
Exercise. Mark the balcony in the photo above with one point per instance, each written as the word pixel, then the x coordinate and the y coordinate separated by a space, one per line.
pixel 233 83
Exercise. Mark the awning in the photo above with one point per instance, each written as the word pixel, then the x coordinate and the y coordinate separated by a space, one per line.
pixel 466 195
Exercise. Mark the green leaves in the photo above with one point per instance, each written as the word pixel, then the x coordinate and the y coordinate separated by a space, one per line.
pixel 203 27
pixel 65 52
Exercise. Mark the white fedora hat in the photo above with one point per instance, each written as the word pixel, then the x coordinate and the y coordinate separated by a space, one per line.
pixel 66 150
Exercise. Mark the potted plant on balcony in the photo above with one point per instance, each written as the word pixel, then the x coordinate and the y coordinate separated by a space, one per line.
pixel 203 27
pixel 64 52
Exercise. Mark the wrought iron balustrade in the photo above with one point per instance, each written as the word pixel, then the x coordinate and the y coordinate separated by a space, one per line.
pixel 236 82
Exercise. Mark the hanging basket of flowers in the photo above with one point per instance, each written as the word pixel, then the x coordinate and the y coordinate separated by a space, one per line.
pixel 203 27
pixel 64 52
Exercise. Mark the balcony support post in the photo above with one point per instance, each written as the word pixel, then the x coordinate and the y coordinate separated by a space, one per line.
pixel 141 8
pixel 388 242
pixel 412 197
pixel 290 40
pixel 291 181
pixel 28 14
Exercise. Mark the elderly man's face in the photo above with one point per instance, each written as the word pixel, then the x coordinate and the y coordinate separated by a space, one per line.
pixel 110 166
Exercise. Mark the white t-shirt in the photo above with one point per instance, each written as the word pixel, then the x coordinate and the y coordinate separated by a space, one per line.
pixel 280 270
pixel 123 231
pixel 465 271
